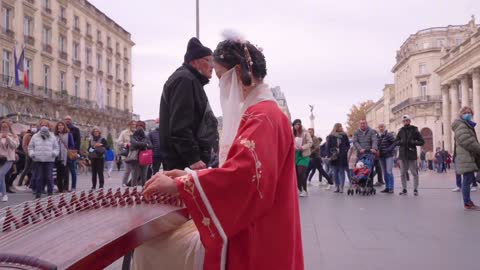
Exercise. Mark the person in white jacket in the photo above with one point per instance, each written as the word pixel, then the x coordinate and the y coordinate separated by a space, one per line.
pixel 43 149
pixel 8 145
pixel 123 142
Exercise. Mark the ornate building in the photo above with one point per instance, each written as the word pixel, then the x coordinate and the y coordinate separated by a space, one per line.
pixel 282 101
pixel 78 62
pixel 417 88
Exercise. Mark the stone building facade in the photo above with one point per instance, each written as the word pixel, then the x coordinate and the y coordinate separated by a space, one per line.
pixel 78 62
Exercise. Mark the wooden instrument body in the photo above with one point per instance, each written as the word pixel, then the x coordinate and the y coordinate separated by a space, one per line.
pixel 89 235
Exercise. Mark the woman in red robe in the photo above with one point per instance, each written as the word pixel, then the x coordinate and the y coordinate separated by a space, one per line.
pixel 246 211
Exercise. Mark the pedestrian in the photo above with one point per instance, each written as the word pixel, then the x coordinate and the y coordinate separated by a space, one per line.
pixel 43 149
pixel 154 137
pixel 139 142
pixel 423 160
pixel 386 148
pixel 316 161
pixel 337 148
pixel 365 140
pixel 188 127
pixel 448 160
pixel 123 144
pixel 408 138
pixel 352 157
pixel 326 165
pixel 8 144
pixel 96 153
pixel 466 153
pixel 65 143
pixel 429 157
pixel 440 160
pixel 109 159
pixel 27 171
pixel 303 143
pixel 77 140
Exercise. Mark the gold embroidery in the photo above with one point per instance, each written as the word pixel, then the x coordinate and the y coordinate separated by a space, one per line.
pixel 250 145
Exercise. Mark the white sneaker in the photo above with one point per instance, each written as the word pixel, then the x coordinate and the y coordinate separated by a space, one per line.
pixel 21 188
pixel 123 185
pixel 303 194
pixel 329 187
pixel 5 198
pixel 456 189
pixel 473 189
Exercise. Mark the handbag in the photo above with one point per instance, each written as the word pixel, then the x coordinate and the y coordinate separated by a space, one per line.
pixel 132 156
pixel 145 157
pixel 72 154
pixel 335 151
pixel 124 152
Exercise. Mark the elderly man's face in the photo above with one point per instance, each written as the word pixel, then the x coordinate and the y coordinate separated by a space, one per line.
pixel 204 65
pixel 381 128
pixel 363 125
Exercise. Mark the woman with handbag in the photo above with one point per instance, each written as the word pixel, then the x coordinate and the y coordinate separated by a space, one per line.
pixel 96 153
pixel 139 142
pixel 65 143
pixel 8 145
pixel 303 145
pixel 337 149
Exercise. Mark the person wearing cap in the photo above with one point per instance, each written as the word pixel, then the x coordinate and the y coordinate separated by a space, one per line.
pixel 188 127
pixel 408 138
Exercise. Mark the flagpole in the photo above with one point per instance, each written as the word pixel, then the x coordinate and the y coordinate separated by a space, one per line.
pixel 198 18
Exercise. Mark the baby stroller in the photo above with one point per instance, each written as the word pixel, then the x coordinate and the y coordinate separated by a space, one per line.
pixel 362 182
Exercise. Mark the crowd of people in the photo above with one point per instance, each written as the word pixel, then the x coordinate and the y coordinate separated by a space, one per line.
pixel 45 157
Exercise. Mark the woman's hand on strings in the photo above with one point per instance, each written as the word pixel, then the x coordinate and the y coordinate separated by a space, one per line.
pixel 158 184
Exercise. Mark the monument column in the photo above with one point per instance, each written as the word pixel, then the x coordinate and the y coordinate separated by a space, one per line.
pixel 455 102
pixel 465 86
pixel 476 97
pixel 447 134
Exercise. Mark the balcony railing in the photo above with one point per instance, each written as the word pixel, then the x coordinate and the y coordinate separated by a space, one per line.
pixel 47 10
pixel 100 44
pixel 76 29
pixel 89 36
pixel 29 40
pixel 63 20
pixel 118 55
pixel 89 68
pixel 119 81
pixel 31 2
pixel 8 32
pixel 47 48
pixel 63 56
pixel 109 50
pixel 110 77
pixel 77 63
pixel 416 101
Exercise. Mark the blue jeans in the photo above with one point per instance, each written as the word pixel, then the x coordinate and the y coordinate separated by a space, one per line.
pixel 387 168
pixel 72 164
pixel 339 175
pixel 468 179
pixel 3 172
pixel 43 176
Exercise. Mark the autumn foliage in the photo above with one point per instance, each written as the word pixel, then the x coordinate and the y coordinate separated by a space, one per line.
pixel 357 113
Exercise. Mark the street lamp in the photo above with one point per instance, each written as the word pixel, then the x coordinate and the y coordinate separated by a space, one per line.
pixel 198 19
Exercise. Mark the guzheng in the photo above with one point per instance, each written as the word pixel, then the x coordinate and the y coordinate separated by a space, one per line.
pixel 83 230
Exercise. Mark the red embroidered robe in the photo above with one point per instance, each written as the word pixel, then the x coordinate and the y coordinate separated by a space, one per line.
pixel 247 211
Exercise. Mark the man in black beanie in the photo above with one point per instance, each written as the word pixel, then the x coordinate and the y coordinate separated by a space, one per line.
pixel 188 127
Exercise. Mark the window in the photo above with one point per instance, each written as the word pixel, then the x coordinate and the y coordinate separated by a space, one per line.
pixel 76 51
pixel 117 71
pixel 459 91
pixel 426 45
pixel 88 56
pixel 46 4
pixel 63 80
pixel 76 87
pixel 89 29
pixel 423 89
pixel 117 100
pixel 125 52
pixel 99 61
pixel 109 66
pixel 109 94
pixel 46 35
pixel 7 18
pixel 117 47
pixel 125 74
pixel 46 77
pixel 99 35
pixel 6 65
pixel 63 12
pixel 89 88
pixel 423 68
pixel 109 42
pixel 76 22
pixel 440 42
pixel 63 43
pixel 27 26
pixel 125 102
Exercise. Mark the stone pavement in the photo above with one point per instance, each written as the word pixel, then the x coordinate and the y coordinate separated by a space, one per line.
pixel 391 232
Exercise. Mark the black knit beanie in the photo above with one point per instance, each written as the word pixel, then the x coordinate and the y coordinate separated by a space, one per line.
pixel 196 50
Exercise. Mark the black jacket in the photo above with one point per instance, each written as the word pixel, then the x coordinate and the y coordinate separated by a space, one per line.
pixel 338 142
pixel 154 137
pixel 75 131
pixel 408 138
pixel 188 127
pixel 386 145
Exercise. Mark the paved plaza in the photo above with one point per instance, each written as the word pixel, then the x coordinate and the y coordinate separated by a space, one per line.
pixel 381 232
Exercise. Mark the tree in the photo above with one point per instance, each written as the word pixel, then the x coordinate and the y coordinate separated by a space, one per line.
pixel 357 113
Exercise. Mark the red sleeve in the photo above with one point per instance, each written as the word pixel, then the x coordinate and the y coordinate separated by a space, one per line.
pixel 230 198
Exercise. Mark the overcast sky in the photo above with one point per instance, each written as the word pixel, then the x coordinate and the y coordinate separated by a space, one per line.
pixel 328 53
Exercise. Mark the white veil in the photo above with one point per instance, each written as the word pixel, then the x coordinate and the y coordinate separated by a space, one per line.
pixel 234 106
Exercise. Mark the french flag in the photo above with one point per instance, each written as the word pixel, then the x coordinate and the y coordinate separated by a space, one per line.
pixel 20 65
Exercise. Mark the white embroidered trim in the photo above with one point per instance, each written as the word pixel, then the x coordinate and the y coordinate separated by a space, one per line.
pixel 215 220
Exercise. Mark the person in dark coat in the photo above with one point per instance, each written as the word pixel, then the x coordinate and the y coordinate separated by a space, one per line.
pixel 154 137
pixel 408 138
pixel 316 161
pixel 337 149
pixel 139 142
pixel 386 148
pixel 188 126
pixel 72 164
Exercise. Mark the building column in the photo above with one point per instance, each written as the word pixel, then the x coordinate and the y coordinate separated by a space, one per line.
pixel 447 134
pixel 465 87
pixel 476 97
pixel 455 102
